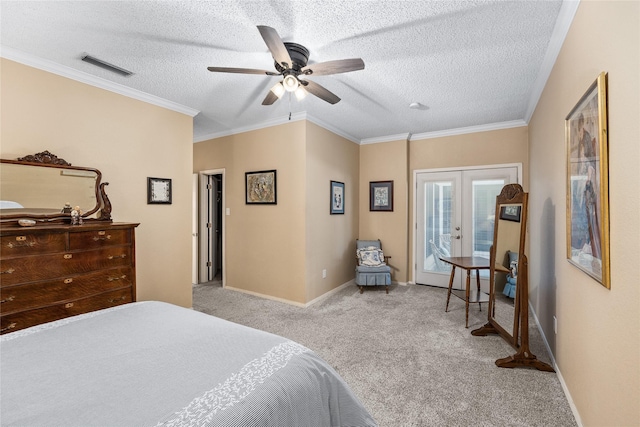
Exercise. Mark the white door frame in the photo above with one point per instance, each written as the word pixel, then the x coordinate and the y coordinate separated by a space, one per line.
pixel 415 200
pixel 224 214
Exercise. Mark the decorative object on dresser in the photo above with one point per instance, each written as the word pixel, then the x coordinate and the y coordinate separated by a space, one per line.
pixel 57 263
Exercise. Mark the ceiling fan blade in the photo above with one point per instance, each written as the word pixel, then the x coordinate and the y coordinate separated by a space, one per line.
pixel 276 46
pixel 321 92
pixel 334 67
pixel 241 71
pixel 270 98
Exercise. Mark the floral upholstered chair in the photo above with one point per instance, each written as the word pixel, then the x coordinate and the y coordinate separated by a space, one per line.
pixel 371 268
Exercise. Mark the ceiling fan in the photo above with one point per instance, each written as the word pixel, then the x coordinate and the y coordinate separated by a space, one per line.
pixel 291 63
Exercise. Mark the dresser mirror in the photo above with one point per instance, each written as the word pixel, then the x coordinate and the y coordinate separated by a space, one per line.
pixel 508 313
pixel 38 187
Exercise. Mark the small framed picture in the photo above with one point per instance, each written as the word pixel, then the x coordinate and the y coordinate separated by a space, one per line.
pixel 337 198
pixel 510 212
pixel 381 196
pixel 260 188
pixel 159 191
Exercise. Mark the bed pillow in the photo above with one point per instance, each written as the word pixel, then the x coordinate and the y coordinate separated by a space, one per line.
pixel 370 256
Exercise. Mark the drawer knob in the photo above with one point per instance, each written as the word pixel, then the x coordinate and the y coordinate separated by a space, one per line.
pixel 10 326
pixel 67 281
pixel 114 300
pixel 8 299
pixel 68 256
pixel 117 256
pixel 68 305
pixel 9 271
pixel 107 237
pixel 112 279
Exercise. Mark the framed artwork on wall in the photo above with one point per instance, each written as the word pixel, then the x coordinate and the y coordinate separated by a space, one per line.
pixel 510 213
pixel 260 188
pixel 586 137
pixel 158 191
pixel 381 196
pixel 337 198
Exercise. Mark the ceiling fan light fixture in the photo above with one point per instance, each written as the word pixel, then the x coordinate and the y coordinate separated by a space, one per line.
pixel 300 93
pixel 290 83
pixel 278 90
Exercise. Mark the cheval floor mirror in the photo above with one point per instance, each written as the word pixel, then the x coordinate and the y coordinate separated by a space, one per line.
pixel 511 321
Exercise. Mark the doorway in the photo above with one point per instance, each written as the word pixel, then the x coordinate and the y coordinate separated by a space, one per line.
pixel 454 211
pixel 210 227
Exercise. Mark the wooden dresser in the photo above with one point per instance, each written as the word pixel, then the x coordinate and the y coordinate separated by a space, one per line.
pixel 49 272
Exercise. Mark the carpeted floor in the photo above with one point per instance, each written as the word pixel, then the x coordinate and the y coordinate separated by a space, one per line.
pixel 410 363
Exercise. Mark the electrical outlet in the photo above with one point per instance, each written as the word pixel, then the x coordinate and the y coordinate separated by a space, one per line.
pixel 555 324
pixel 324 273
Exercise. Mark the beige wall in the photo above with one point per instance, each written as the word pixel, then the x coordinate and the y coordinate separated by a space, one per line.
pixel 495 147
pixel 127 140
pixel 279 251
pixel 330 242
pixel 386 162
pixel 597 347
pixel 265 244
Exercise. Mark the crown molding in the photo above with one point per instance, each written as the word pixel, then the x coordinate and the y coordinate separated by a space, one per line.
pixel 469 129
pixel 262 125
pixel 332 129
pixel 388 138
pixel 80 76
pixel 563 23
pixel 275 122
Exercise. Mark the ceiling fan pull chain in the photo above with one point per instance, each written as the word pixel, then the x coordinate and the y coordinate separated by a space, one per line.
pixel 289 106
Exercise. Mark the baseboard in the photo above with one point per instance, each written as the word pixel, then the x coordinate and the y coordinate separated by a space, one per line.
pixel 331 292
pixel 297 304
pixel 567 394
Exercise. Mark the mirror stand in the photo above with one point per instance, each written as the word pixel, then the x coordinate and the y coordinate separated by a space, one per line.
pixel 508 242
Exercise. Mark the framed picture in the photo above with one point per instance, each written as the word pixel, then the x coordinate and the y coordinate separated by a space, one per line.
pixel 588 183
pixel 510 213
pixel 381 196
pixel 337 198
pixel 260 188
pixel 158 191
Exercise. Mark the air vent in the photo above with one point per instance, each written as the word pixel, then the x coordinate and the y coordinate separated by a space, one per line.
pixel 103 64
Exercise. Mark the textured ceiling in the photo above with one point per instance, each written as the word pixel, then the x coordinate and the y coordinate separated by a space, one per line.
pixel 469 63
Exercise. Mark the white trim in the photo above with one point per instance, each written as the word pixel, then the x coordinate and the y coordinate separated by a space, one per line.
pixel 81 76
pixel 389 138
pixel 266 124
pixel 469 129
pixel 277 121
pixel 413 270
pixel 563 23
pixel 297 304
pixel 567 394
pixel 332 129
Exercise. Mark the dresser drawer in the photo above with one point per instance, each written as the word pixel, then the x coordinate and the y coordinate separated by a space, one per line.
pixel 40 294
pixel 98 238
pixel 16 321
pixel 37 268
pixel 32 244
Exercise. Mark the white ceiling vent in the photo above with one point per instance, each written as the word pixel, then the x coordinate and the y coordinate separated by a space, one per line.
pixel 107 66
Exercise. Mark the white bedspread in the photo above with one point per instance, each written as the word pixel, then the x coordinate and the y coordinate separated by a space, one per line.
pixel 156 364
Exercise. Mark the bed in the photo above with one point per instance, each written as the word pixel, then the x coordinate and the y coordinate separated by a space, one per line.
pixel 156 364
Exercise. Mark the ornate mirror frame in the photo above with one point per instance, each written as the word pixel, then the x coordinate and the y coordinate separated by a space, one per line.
pixel 46 159
pixel 510 214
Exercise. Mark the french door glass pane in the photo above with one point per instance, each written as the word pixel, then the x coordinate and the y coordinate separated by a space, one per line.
pixel 483 216
pixel 438 199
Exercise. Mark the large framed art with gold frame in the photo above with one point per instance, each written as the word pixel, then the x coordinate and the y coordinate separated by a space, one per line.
pixel 586 135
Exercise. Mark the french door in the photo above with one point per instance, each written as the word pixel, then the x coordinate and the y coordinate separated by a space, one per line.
pixel 454 217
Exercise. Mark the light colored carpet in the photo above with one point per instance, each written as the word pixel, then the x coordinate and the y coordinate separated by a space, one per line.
pixel 409 362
